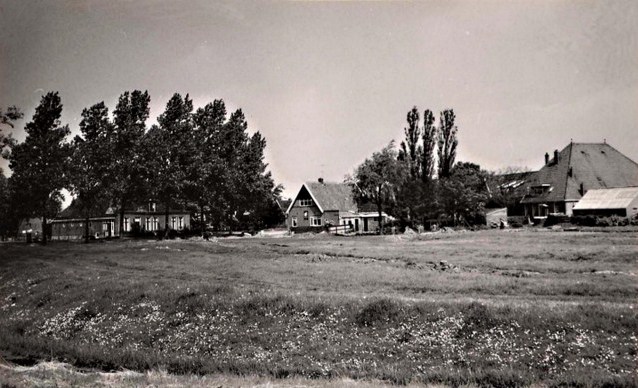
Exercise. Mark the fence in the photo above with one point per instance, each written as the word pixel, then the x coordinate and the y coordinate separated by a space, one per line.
pixel 341 229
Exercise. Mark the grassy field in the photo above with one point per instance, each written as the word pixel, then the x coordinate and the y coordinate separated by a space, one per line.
pixel 488 308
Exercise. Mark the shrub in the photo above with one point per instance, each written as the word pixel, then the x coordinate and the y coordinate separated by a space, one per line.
pixel 554 219
pixel 516 221
pixel 378 312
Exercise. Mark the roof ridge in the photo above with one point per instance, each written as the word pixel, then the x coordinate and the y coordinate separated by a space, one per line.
pixel 569 162
pixel 621 154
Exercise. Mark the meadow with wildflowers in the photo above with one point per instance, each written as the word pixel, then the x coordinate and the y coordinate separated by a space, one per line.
pixel 487 308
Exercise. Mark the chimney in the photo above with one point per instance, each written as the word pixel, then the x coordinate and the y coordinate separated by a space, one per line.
pixel 320 180
pixel 555 156
pixel 546 158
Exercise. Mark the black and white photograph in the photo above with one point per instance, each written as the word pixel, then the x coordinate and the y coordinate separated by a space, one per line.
pixel 270 193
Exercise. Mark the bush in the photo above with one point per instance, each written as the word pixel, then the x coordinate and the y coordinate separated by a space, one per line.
pixel 378 312
pixel 555 219
pixel 591 220
pixel 516 221
pixel 583 220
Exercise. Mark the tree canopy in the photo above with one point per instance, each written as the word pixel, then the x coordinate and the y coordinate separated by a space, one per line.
pixel 39 164
pixel 379 178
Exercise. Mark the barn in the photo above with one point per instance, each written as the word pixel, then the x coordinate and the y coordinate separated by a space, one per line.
pixel 622 201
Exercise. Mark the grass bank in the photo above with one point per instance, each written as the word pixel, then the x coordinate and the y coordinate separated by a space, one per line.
pixel 328 308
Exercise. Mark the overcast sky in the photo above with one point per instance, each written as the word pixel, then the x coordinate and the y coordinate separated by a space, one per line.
pixel 327 84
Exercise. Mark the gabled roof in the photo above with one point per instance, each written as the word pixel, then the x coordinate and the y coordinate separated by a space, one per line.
pixel 329 196
pixel 513 183
pixel 618 198
pixel 75 210
pixel 594 165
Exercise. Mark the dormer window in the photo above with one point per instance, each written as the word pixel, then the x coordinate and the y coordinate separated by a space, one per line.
pixel 305 202
pixel 542 189
pixel 152 206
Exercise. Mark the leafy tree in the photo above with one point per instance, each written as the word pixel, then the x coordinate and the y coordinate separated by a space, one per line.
pixel 7 220
pixel 464 193
pixel 126 167
pixel 256 187
pixel 39 163
pixel 6 120
pixel 172 147
pixel 429 139
pixel 447 143
pixel 90 159
pixel 379 178
pixel 4 205
pixel 416 198
pixel 232 147
pixel 204 190
pixel 411 151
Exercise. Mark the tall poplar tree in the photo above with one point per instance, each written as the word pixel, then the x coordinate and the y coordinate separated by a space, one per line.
pixel 447 143
pixel 39 164
pixel 411 150
pixel 428 142
pixel 129 118
pixel 209 168
pixel 172 145
pixel 90 161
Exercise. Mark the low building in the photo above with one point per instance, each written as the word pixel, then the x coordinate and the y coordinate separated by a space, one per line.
pixel 105 222
pixel 621 202
pixel 321 204
pixel 495 217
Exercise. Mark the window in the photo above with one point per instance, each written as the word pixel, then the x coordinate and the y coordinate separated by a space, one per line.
pixel 155 223
pixel 148 223
pixel 294 222
pixel 315 221
pixel 152 206
pixel 127 226
pixel 173 222
pixel 305 214
pixel 305 202
pixel 180 225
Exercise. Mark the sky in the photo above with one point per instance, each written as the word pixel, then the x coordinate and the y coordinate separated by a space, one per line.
pixel 329 83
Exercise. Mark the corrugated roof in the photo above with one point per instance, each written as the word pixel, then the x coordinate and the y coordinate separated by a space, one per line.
pixel 618 198
pixel 594 165
pixel 332 196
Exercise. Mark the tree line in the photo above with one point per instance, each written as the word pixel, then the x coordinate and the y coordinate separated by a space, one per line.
pixel 200 159
pixel 421 182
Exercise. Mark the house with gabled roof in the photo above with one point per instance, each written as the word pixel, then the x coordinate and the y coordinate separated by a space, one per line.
pixel 321 204
pixel 571 173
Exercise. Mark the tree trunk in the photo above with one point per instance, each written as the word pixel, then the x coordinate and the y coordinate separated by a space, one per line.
pixel 86 228
pixel 201 218
pixel 166 211
pixel 44 230
pixel 379 208
pixel 122 203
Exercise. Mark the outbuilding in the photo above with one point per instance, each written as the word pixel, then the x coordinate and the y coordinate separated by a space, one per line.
pixel 622 201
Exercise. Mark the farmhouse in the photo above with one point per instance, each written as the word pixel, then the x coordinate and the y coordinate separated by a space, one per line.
pixel 320 204
pixel 104 222
pixel 571 173
pixel 621 202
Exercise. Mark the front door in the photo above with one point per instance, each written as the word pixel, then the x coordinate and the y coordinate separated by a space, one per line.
pixel 365 224
pixel 356 224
